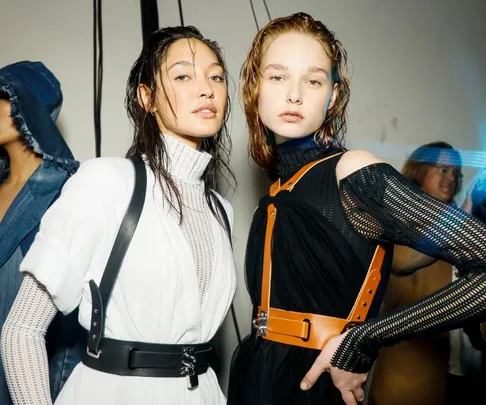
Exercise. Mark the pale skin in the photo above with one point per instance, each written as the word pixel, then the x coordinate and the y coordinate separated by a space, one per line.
pixel 194 83
pixel 23 161
pixel 296 92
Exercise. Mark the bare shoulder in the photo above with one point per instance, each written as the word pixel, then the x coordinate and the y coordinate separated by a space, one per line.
pixel 354 160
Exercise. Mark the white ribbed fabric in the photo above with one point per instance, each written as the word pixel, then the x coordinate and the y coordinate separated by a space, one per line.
pixel 23 344
pixel 187 167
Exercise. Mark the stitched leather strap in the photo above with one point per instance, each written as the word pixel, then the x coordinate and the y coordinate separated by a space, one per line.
pixel 224 216
pixel 227 226
pixel 101 295
pixel 142 359
pixel 368 289
pixel 301 329
pixel 311 331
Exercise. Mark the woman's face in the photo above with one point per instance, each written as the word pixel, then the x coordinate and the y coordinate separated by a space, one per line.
pixel 194 85
pixel 8 131
pixel 440 180
pixel 296 89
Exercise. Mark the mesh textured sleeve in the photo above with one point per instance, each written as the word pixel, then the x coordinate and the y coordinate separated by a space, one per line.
pixel 383 205
pixel 23 344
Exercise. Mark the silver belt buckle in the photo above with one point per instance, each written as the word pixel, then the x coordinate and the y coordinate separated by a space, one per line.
pixel 93 354
pixel 260 323
pixel 189 367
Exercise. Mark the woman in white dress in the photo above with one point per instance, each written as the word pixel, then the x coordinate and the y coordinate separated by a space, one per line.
pixel 177 280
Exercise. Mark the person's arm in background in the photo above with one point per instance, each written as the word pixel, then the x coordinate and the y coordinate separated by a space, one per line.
pixel 384 206
pixel 406 260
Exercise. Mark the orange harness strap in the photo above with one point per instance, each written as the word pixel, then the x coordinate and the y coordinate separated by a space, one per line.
pixel 299 329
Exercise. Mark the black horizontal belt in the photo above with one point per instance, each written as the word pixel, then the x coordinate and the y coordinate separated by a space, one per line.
pixel 142 359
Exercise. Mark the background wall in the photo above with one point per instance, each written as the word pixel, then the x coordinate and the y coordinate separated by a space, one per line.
pixel 418 75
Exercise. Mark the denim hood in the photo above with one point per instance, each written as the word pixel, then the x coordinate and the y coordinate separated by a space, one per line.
pixel 36 98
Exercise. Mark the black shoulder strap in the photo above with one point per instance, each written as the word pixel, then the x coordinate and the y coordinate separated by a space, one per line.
pixel 100 296
pixel 224 215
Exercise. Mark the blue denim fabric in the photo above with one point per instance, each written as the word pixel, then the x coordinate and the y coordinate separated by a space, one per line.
pixel 66 344
pixel 36 98
pixel 66 339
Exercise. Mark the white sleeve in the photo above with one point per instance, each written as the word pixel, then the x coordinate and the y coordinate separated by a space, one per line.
pixel 23 345
pixel 70 232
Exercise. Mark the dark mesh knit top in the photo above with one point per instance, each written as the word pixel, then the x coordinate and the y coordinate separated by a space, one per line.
pixel 324 239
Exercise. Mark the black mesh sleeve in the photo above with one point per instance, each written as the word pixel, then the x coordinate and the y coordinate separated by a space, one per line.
pixel 382 205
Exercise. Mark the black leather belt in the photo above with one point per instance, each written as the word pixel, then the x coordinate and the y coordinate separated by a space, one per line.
pixel 150 359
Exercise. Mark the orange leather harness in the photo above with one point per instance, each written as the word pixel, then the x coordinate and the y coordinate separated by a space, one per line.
pixel 299 329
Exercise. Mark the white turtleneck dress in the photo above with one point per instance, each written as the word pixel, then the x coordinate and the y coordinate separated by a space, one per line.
pixel 175 286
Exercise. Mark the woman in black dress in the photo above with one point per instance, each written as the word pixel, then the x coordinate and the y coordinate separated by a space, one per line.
pixel 317 235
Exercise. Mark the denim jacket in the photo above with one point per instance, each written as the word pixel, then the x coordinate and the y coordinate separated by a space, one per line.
pixel 65 338
pixel 35 98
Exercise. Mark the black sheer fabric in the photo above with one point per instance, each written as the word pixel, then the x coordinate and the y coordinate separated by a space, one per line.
pixel 398 212
pixel 319 264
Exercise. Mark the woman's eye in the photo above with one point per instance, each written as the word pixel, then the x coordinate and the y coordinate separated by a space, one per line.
pixel 217 78
pixel 182 78
pixel 276 78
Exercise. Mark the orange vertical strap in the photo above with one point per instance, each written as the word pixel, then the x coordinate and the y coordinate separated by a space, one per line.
pixel 271 217
pixel 362 304
pixel 267 258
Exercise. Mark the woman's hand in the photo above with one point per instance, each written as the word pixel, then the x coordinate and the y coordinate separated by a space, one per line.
pixel 467 204
pixel 479 177
pixel 350 384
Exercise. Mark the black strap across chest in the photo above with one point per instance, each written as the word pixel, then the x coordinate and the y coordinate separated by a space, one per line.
pixel 101 295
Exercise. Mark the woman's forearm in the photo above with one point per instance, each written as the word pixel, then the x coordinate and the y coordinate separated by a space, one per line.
pixel 23 344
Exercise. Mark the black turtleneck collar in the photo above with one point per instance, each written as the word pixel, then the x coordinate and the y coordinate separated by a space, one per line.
pixel 296 153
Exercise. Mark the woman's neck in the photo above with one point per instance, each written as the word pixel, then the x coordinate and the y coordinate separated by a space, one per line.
pixel 296 153
pixel 192 141
pixel 23 162
pixel 186 163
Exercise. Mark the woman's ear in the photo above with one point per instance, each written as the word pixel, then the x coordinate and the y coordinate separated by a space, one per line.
pixel 144 95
